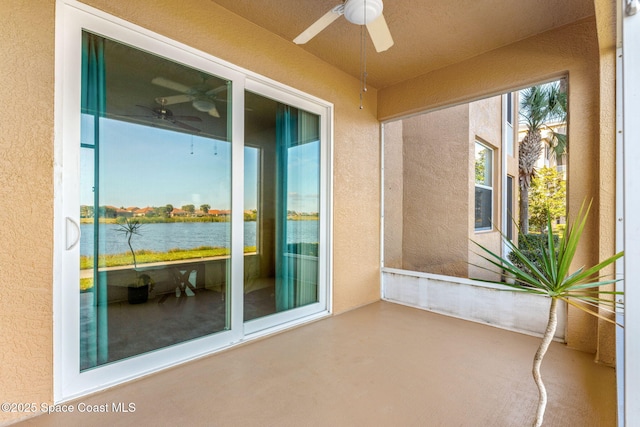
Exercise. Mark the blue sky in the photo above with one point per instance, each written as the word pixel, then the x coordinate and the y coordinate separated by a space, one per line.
pixel 148 166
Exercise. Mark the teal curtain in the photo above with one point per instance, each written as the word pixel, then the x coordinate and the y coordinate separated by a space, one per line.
pixel 95 349
pixel 296 277
pixel 305 267
pixel 286 135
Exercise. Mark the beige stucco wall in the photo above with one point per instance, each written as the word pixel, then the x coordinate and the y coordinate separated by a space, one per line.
pixel 393 194
pixel 27 177
pixel 435 166
pixel 26 197
pixel 571 50
pixel 606 25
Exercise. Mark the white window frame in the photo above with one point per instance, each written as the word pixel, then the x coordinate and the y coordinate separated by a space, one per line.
pixel 508 129
pixel 629 221
pixel 71 18
pixel 485 187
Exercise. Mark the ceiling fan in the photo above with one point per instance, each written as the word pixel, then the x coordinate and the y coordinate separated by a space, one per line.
pixel 359 12
pixel 164 114
pixel 201 98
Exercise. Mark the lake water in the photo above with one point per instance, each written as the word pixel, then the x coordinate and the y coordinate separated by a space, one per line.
pixel 187 235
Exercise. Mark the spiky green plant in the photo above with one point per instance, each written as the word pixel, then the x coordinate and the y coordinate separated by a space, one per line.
pixel 547 272
pixel 129 228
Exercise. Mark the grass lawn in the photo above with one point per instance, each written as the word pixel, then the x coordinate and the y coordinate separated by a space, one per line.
pixel 145 257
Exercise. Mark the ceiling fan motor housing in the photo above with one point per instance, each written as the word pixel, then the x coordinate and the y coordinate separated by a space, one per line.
pixel 362 12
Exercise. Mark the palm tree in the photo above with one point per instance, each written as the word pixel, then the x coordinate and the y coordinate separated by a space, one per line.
pixel 538 106
pixel 558 141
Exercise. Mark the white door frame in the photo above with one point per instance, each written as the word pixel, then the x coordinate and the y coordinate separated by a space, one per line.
pixel 631 199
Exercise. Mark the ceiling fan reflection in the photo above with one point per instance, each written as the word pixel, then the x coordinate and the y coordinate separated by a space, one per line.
pixel 163 114
pixel 201 97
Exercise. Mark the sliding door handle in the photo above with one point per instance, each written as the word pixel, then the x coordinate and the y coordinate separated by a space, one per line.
pixel 68 244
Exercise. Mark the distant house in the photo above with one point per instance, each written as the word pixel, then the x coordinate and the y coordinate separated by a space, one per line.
pixel 219 213
pixel 124 213
pixel 179 213
pixel 115 212
pixel 143 211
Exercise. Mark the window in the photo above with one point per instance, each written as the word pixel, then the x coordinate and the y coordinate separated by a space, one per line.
pixel 155 200
pixel 484 187
pixel 509 220
pixel 283 274
pixel 508 123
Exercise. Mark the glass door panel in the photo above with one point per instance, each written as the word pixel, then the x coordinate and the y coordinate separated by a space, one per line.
pixel 155 196
pixel 282 199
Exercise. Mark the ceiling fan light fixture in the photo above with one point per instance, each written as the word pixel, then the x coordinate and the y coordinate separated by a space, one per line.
pixel 203 105
pixel 362 12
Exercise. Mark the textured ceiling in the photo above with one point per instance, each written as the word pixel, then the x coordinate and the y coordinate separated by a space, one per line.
pixel 428 34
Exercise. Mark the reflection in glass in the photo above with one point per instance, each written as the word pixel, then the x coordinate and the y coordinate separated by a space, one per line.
pixel 155 203
pixel 484 187
pixel 282 168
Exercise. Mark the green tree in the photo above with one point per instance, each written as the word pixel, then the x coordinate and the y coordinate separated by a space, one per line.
pixel 547 195
pixel 538 106
pixel 167 210
pixel 481 166
pixel 189 208
pixel 86 211
pixel 130 228
pixel 205 208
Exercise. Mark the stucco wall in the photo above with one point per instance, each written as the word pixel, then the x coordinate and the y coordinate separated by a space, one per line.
pixel 435 167
pixel 393 194
pixel 26 174
pixel 606 24
pixel 570 50
pixel 26 197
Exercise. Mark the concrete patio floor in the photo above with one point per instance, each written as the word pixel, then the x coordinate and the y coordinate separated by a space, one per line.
pixel 380 365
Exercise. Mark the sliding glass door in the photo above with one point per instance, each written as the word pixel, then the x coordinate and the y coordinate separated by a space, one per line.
pixel 155 202
pixel 282 273
pixel 192 208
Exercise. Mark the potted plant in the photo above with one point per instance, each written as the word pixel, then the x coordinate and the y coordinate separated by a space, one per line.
pixel 546 272
pixel 138 291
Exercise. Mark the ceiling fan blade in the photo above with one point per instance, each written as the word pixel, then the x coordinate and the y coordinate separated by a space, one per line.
pixel 214 112
pixel 319 25
pixel 175 99
pixel 170 84
pixel 216 90
pixel 380 34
